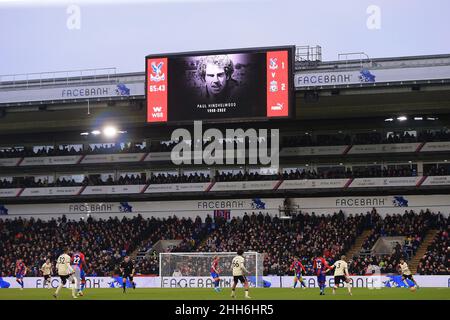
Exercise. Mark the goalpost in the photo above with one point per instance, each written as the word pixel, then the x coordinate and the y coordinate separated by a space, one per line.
pixel 179 265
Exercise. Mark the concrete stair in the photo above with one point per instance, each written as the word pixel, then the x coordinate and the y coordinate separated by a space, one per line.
pixel 356 248
pixel 427 240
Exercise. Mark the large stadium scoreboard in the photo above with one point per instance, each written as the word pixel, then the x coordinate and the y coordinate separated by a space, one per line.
pixel 254 83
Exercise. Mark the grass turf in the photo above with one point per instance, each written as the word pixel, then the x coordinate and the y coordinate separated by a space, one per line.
pixel 209 294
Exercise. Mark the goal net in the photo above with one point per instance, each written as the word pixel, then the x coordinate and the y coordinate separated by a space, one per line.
pixel 192 269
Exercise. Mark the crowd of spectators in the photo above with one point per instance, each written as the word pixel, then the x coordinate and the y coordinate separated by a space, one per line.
pixel 364 265
pixel 441 170
pixel 280 240
pixel 32 182
pixel 199 177
pixel 61 150
pixel 299 140
pixel 223 176
pixel 309 140
pixel 106 242
pixel 408 224
pixel 436 259
pixel 411 225
pixel 69 150
pixel 182 178
pixel 438 135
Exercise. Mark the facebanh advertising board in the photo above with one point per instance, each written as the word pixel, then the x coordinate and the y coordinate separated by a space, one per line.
pixel 233 84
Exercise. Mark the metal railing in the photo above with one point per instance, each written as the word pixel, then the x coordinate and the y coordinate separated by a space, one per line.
pixel 363 58
pixel 57 77
pixel 308 53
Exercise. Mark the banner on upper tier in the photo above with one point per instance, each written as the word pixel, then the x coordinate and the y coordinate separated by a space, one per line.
pixel 10 162
pixel 385 148
pixel 71 92
pixel 125 189
pixel 177 187
pixel 304 79
pixel 245 185
pixel 46 161
pixel 111 158
pixel 56 191
pixel 386 182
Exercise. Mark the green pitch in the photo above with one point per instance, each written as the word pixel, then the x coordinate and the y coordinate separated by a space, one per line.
pixel 209 294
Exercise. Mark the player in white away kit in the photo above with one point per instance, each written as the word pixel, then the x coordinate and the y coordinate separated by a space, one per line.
pixel 239 271
pixel 46 270
pixel 406 273
pixel 341 275
pixel 65 272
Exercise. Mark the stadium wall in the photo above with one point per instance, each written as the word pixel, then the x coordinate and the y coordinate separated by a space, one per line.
pixel 228 208
pixel 206 282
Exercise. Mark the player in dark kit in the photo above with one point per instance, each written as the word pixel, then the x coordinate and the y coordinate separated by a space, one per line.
pixel 127 270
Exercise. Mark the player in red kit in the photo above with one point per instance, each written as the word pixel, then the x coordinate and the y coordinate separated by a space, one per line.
pixel 21 271
pixel 320 267
pixel 78 264
pixel 299 269
pixel 215 273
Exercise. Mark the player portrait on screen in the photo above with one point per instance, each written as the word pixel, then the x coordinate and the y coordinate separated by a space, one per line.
pixel 218 85
pixel 216 75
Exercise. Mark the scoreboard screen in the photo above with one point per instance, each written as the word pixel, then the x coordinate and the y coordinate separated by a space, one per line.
pixel 220 85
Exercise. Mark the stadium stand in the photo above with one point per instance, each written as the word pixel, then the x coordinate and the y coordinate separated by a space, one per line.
pixel 105 242
pixel 436 259
pixel 298 140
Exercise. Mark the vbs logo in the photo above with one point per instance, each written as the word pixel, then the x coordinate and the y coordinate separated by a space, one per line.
pixel 122 90
pixel 257 203
pixel 400 201
pixel 157 72
pixel 3 210
pixel 252 280
pixel 116 282
pixel 4 284
pixel 397 282
pixel 125 207
pixel 366 76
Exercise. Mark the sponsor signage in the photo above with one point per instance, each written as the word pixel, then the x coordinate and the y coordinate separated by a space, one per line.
pixel 285 152
pixel 245 185
pixel 313 151
pixel 396 204
pixel 385 182
pixel 110 158
pixel 45 161
pixel 8 193
pixel 436 146
pixel 126 189
pixel 161 209
pixel 436 181
pixel 119 90
pixel 9 162
pixel 158 156
pixel 237 207
pixel 177 187
pixel 374 282
pixel 385 148
pixel 370 76
pixel 56 191
pixel 314 184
